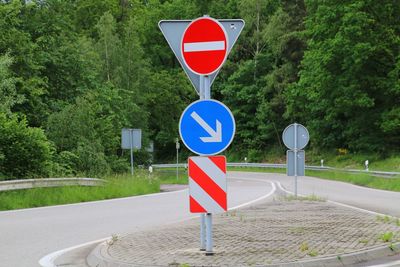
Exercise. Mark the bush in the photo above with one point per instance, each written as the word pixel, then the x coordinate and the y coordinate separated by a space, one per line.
pixel 26 152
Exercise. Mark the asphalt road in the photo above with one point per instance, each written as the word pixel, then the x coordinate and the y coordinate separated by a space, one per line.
pixel 379 201
pixel 28 235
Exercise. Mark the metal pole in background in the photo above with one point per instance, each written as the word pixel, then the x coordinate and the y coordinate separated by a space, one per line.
pixel 202 215
pixel 295 160
pixel 131 141
pixel 177 158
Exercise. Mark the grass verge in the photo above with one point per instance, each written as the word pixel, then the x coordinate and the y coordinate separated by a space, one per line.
pixel 361 179
pixel 168 176
pixel 391 184
pixel 116 186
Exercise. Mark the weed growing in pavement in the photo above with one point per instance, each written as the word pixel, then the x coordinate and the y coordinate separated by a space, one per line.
pixel 387 237
pixel 392 247
pixel 184 265
pixel 397 222
pixel 304 246
pixel 114 238
pixel 232 213
pixel 384 219
pixel 312 253
pixel 363 241
pixel 312 197
pixel 339 257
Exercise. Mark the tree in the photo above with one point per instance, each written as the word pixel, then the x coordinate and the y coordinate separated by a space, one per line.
pixel 345 85
pixel 8 93
pixel 24 151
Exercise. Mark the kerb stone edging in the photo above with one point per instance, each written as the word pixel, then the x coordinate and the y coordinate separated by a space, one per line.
pixel 99 258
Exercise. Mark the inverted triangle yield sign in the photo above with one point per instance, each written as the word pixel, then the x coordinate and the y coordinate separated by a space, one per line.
pixel 174 29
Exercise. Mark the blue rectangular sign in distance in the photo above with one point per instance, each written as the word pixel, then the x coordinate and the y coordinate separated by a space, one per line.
pixel 131 137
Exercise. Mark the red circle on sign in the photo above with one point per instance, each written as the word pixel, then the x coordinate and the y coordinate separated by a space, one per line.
pixel 204 46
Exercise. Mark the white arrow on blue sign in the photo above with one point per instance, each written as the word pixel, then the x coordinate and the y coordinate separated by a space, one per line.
pixel 207 127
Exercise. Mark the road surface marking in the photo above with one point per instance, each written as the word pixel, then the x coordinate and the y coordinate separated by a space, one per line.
pixel 336 203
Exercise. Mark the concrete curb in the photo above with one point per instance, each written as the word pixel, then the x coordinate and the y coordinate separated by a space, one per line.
pixel 100 258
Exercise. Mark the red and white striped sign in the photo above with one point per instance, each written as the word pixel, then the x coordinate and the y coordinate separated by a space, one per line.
pixel 204 46
pixel 207 184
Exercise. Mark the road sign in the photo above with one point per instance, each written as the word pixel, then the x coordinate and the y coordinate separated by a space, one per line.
pixel 204 46
pixel 131 138
pixel 291 165
pixel 173 31
pixel 207 184
pixel 207 127
pixel 295 134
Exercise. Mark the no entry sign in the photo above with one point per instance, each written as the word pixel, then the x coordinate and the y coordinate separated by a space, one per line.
pixel 204 46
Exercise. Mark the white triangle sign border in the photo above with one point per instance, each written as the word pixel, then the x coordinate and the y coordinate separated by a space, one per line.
pixel 230 26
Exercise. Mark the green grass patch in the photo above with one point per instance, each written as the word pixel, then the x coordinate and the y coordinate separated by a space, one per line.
pixel 361 179
pixel 386 237
pixel 168 176
pixel 117 186
pixel 304 198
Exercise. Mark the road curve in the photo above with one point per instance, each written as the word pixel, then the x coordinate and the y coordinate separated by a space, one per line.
pixel 38 232
pixel 380 201
pixel 27 235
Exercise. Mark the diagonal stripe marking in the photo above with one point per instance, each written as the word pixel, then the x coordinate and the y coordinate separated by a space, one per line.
pixel 207 184
pixel 195 207
pixel 211 170
pixel 220 161
pixel 204 199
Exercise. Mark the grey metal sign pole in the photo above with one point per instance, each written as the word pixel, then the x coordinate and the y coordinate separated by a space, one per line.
pixel 208 219
pixel 295 160
pixel 131 141
pixel 202 215
pixel 177 146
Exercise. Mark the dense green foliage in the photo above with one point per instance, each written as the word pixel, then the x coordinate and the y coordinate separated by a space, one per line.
pixel 73 73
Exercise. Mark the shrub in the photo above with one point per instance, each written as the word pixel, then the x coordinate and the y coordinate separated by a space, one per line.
pixel 26 152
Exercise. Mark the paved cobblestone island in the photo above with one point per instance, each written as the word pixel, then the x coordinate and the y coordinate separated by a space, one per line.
pixel 278 231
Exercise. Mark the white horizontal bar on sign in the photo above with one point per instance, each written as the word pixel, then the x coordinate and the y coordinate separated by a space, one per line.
pixel 203 46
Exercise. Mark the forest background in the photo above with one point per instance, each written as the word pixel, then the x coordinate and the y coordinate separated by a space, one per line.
pixel 74 73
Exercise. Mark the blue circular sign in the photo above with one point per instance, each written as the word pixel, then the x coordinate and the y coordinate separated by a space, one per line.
pixel 207 127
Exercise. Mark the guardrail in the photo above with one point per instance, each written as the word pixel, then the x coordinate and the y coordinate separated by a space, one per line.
pixel 48 182
pixel 283 166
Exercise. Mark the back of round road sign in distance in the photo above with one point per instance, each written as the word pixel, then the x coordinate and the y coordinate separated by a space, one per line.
pixel 289 137
pixel 204 46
